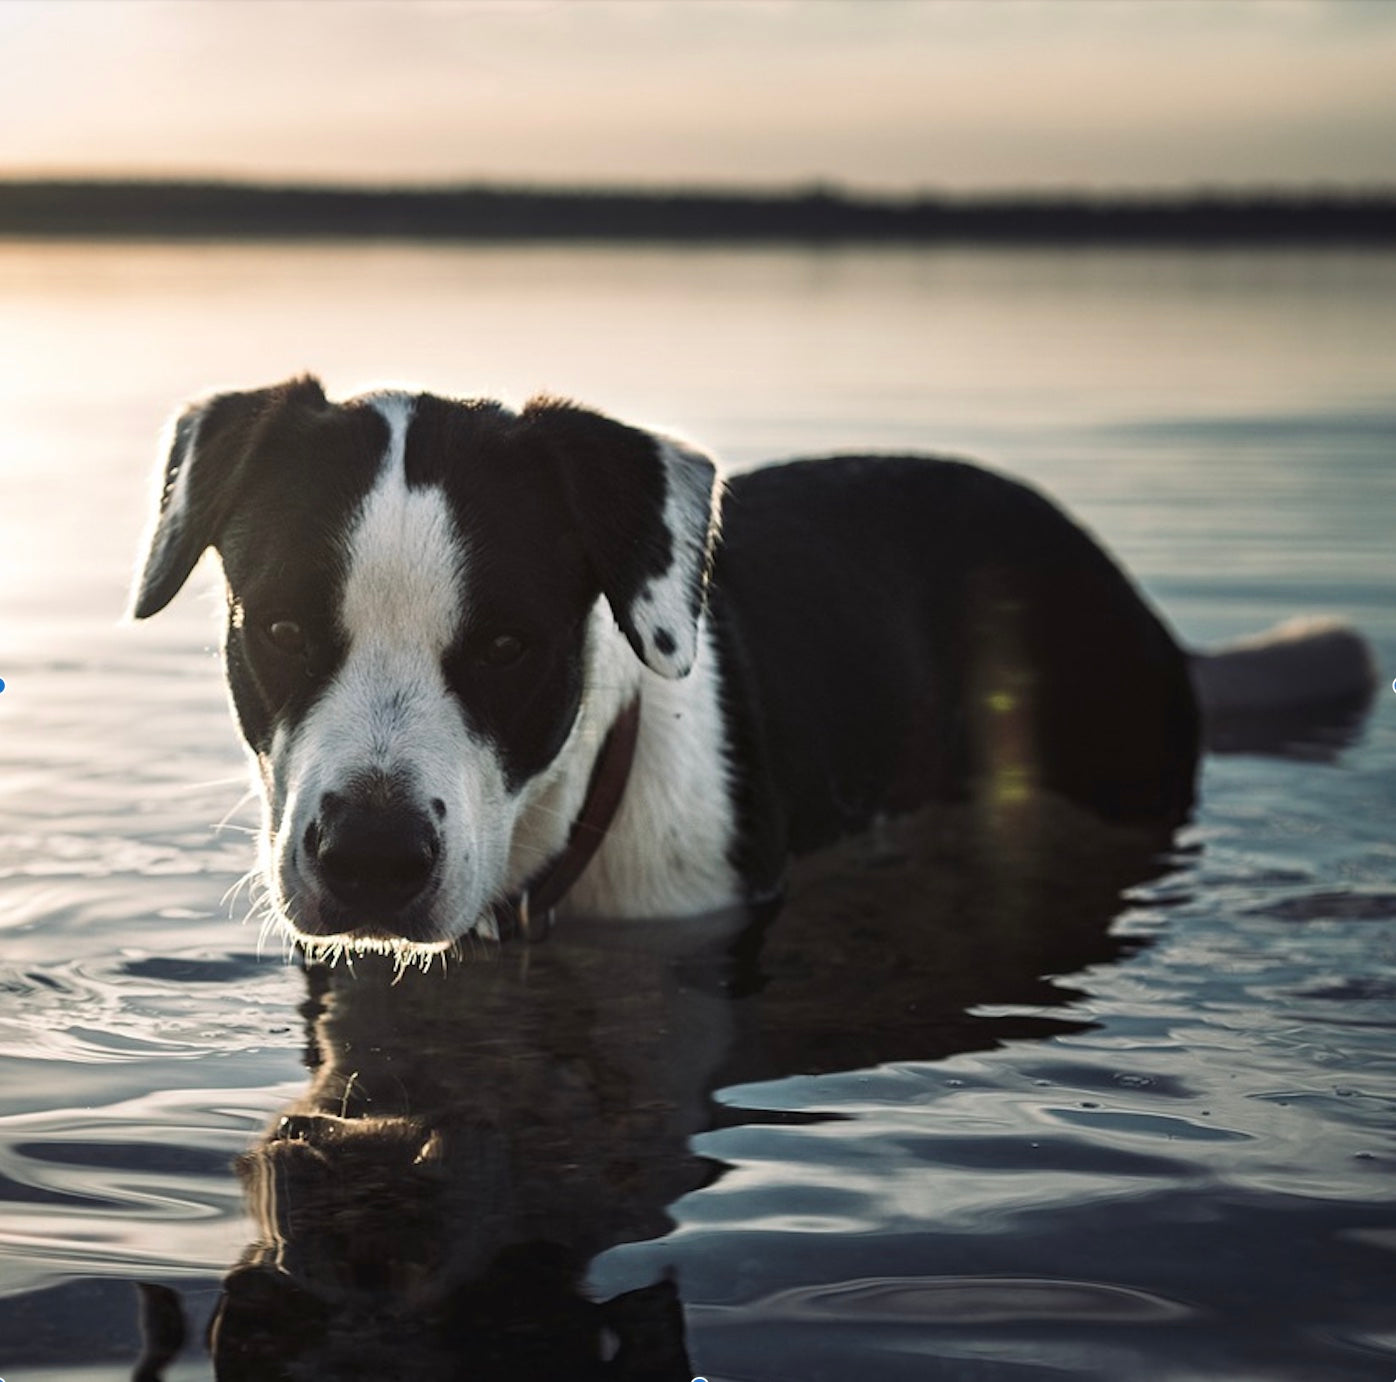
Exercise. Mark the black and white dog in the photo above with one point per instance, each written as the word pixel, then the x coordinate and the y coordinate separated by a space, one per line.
pixel 486 659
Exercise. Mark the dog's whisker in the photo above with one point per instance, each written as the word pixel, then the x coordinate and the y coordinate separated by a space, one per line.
pixel 553 811
pixel 264 933
pixel 185 787
pixel 234 809
pixel 529 852
pixel 248 880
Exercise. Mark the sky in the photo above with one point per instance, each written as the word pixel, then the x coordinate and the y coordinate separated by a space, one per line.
pixel 874 95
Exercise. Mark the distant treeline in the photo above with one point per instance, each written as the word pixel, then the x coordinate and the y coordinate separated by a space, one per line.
pixel 232 211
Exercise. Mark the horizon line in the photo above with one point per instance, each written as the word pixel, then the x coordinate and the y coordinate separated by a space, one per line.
pixel 793 189
pixel 226 210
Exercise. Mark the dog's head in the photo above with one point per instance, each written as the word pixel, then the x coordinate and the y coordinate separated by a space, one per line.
pixel 416 606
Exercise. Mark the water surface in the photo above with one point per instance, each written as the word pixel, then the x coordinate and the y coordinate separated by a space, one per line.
pixel 1044 1114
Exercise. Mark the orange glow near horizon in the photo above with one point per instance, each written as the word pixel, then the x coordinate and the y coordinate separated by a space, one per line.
pixel 882 97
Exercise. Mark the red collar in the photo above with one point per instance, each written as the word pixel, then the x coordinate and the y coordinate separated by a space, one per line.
pixel 529 913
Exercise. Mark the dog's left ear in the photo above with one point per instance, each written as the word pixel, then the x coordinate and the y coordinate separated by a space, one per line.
pixel 647 511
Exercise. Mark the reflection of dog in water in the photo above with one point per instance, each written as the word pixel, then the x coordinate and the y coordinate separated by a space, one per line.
pixel 487 661
pixel 466 1146
pixel 470 1141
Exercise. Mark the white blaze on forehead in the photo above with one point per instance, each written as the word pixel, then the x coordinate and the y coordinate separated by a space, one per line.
pixel 404 554
pixel 388 708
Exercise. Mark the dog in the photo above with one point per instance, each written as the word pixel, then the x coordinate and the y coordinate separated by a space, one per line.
pixel 494 664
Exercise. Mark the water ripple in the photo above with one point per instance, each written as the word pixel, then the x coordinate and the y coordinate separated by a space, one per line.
pixel 969 1301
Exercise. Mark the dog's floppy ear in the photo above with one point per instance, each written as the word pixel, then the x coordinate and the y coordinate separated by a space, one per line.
pixel 208 458
pixel 646 507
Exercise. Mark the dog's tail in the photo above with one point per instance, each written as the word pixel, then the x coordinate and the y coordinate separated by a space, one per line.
pixel 1301 687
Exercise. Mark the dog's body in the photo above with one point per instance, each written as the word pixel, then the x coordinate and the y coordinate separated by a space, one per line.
pixel 439 611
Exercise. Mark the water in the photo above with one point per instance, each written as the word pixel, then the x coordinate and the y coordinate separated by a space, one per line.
pixel 1042 1115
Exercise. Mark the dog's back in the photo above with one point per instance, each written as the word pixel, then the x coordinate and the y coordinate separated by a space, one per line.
pixel 904 629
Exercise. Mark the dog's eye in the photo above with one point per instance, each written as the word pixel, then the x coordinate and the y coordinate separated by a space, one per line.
pixel 500 650
pixel 287 636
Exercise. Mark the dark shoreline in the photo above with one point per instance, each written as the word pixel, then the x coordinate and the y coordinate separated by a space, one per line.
pixel 161 210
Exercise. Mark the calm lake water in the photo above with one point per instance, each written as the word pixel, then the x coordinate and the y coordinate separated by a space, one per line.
pixel 946 1121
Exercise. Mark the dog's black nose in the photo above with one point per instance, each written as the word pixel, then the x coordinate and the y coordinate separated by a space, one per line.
pixel 373 859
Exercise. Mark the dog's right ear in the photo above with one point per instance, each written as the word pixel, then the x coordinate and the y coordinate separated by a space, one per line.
pixel 208 458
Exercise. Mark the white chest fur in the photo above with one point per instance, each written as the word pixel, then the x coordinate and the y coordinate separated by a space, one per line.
pixel 667 850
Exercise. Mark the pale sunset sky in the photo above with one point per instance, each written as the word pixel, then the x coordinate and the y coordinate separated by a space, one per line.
pixel 875 95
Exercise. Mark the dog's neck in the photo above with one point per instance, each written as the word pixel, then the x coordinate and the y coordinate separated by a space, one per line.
pixel 667 849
